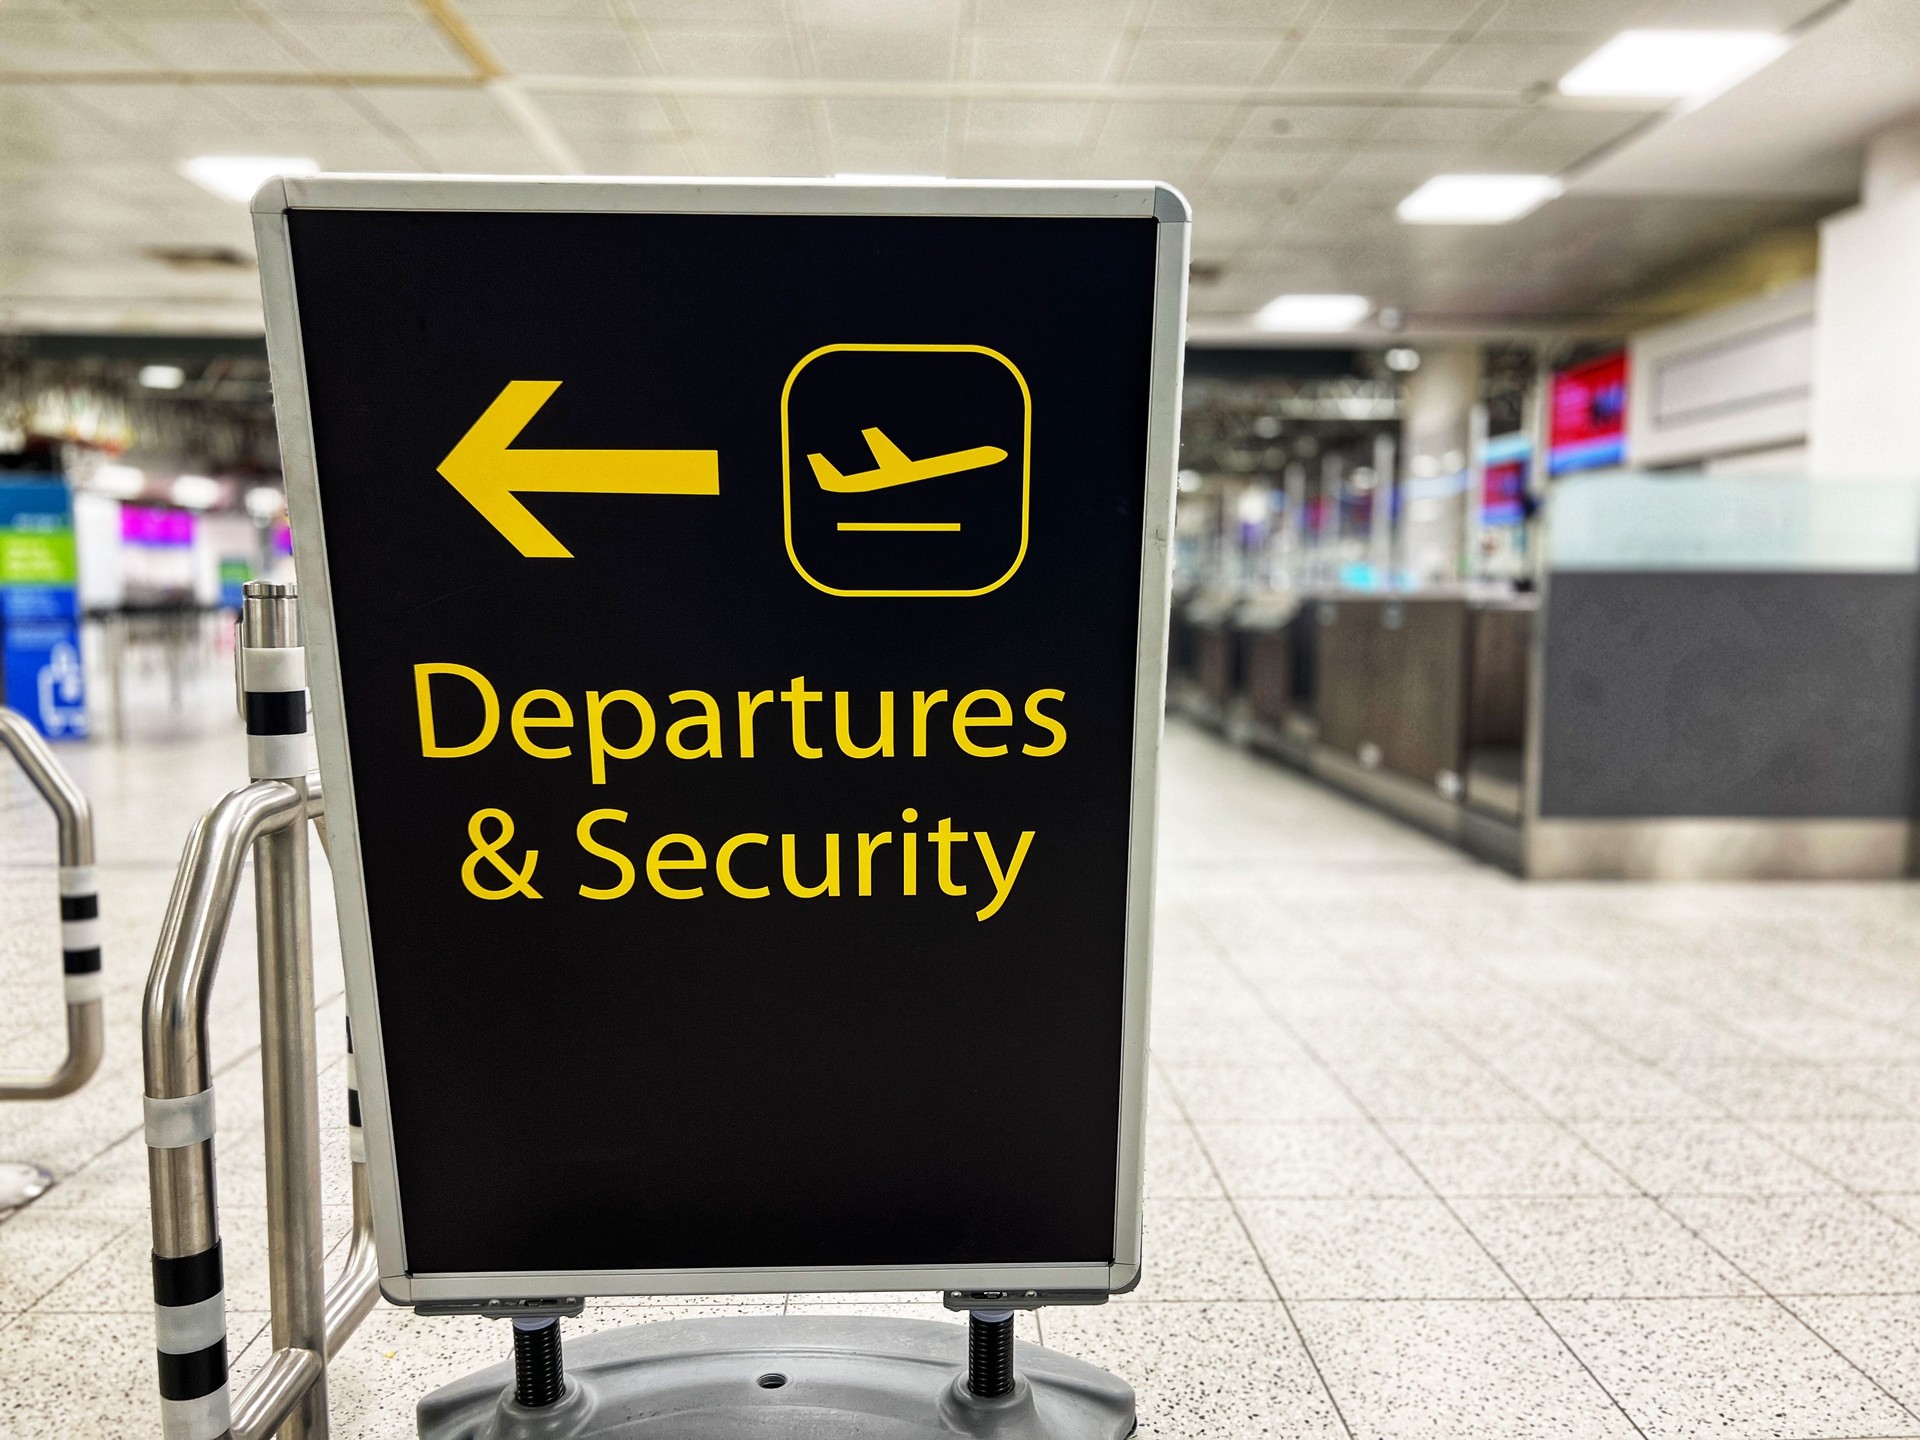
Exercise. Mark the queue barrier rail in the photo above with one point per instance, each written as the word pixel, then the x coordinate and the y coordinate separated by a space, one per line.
pixel 268 820
pixel 79 944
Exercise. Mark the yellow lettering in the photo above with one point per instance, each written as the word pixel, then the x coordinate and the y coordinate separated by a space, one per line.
pixel 830 885
pixel 423 698
pixel 598 750
pixel 708 718
pixel 584 833
pixel 723 866
pixel 696 859
pixel 869 844
pixel 750 701
pixel 965 720
pixel 521 722
pixel 797 695
pixel 909 856
pixel 1045 722
pixel 923 703
pixel 943 837
pixel 842 727
pixel 1002 882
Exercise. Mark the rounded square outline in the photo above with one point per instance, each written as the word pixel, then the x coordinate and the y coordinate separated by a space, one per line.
pixel 1026 467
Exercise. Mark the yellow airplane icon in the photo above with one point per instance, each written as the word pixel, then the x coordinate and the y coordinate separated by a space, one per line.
pixel 892 467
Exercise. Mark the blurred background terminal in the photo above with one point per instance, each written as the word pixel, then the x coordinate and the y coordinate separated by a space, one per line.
pixel 1537 1030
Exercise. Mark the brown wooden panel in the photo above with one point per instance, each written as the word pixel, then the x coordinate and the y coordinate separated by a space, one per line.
pixel 1497 691
pixel 1268 656
pixel 1423 706
pixel 1349 632
pixel 1214 661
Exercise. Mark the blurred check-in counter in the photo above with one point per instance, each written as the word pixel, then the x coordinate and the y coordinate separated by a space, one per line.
pixel 1717 679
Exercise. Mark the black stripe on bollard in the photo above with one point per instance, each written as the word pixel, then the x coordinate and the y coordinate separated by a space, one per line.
pixel 276 712
pixel 187 1279
pixel 79 907
pixel 81 962
pixel 188 1377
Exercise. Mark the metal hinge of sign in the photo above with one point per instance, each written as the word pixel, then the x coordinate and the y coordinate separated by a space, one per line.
pixel 503 1309
pixel 1019 1299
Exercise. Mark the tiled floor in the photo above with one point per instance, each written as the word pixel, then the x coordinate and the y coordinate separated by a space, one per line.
pixel 1431 1153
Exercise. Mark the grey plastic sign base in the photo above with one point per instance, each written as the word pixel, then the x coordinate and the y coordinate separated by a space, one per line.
pixel 799 1377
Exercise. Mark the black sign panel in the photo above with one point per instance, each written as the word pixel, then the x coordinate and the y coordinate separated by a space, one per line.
pixel 736 620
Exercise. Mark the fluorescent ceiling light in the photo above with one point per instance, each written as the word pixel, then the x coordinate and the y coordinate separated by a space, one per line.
pixel 162 377
pixel 889 179
pixel 1313 312
pixel 236 177
pixel 196 492
pixel 1404 359
pixel 1477 199
pixel 264 502
pixel 1672 64
pixel 122 482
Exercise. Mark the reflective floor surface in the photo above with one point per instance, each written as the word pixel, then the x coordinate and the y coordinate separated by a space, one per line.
pixel 1431 1153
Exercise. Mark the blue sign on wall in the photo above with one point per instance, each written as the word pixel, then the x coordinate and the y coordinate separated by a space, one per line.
pixel 44 678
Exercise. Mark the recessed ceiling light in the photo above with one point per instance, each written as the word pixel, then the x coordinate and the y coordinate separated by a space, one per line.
pixel 265 502
pixel 889 179
pixel 236 177
pixel 1403 358
pixel 1477 199
pixel 1313 312
pixel 1672 64
pixel 162 377
pixel 196 492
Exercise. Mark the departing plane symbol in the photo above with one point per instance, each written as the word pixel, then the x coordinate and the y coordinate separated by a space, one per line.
pixel 892 467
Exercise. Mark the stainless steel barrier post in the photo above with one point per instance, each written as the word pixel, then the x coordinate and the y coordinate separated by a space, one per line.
pixel 21 1181
pixel 288 1396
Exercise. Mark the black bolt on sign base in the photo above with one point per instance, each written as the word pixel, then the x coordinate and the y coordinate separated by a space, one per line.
pixel 990 1353
pixel 538 1378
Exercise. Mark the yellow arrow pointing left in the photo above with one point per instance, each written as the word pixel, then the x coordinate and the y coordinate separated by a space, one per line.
pixel 489 474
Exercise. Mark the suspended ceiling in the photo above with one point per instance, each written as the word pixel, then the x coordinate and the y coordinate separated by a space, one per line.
pixel 1293 125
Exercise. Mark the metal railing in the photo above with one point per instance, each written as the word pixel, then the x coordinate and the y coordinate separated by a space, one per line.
pixel 79 943
pixel 268 819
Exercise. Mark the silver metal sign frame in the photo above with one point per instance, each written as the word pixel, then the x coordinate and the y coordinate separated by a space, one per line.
pixel 1087 200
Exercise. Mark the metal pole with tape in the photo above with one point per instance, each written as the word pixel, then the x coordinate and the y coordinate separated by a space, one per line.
pixel 79 944
pixel 287 1397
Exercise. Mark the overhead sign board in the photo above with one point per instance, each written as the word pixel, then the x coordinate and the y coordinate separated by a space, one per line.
pixel 736 618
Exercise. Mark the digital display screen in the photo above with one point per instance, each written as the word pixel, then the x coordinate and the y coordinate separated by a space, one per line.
pixel 1589 426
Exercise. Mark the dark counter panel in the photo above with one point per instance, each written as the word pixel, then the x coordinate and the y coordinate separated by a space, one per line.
pixel 1736 695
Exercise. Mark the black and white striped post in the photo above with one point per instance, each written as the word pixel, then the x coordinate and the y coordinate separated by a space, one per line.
pixel 269 818
pixel 21 1181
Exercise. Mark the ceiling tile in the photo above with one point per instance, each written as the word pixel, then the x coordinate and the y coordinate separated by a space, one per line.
pixel 1398 14
pixel 1368 67
pixel 572 48
pixel 1017 160
pixel 779 153
pixel 499 150
pixel 1279 168
pixel 614 155
pixel 1551 140
pixel 40 44
pixel 1567 17
pixel 743 117
pixel 910 121
pixel 235 44
pixel 1177 161
pixel 757 54
pixel 305 9
pixel 1202 60
pixel 1249 14
pixel 716 13
pixel 1052 12
pixel 435 112
pixel 598 118
pixel 1061 56
pixel 294 114
pixel 1446 127
pixel 1274 120
pixel 372 47
pixel 169 122
pixel 842 52
pixel 1057 122
pixel 1503 65
pixel 1159 120
pixel 558 11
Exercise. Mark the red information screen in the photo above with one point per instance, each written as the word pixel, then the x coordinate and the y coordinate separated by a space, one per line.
pixel 1589 430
